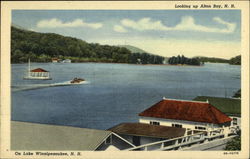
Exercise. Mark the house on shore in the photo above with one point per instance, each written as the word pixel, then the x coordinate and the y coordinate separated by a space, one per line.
pixel 55 60
pixel 230 106
pixel 44 137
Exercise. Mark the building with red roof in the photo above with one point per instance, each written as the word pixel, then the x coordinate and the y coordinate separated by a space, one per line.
pixel 172 119
pixel 192 115
pixel 38 74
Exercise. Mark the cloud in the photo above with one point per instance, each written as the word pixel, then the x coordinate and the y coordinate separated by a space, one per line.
pixel 143 24
pixel 187 23
pixel 230 26
pixel 119 28
pixel 57 23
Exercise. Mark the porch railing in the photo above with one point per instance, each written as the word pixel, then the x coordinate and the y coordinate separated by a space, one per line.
pixel 179 142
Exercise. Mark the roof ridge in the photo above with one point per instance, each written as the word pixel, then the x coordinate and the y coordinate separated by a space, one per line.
pixel 54 125
pixel 218 111
pixel 212 112
pixel 183 100
pixel 218 97
pixel 40 69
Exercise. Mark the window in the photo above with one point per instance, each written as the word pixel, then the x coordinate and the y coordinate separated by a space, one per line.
pixel 136 140
pixel 234 121
pixel 177 125
pixel 154 123
pixel 200 128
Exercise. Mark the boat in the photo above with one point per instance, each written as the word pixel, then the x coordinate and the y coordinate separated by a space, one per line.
pixel 77 81
pixel 37 74
pixel 66 61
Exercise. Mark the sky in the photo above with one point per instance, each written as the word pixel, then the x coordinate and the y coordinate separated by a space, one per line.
pixel 211 33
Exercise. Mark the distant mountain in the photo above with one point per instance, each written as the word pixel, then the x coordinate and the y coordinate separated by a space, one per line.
pixel 133 49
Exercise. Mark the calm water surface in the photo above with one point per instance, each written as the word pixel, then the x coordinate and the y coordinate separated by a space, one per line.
pixel 115 93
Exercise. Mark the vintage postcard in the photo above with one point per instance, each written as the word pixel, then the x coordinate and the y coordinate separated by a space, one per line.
pixel 125 79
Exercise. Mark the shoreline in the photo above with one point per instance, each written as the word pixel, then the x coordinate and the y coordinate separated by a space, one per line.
pixel 127 63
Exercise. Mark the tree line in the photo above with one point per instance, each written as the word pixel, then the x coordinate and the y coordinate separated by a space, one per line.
pixel 175 60
pixel 145 58
pixel 42 47
pixel 212 59
pixel 232 61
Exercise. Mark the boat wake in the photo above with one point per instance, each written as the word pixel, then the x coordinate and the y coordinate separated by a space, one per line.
pixel 38 86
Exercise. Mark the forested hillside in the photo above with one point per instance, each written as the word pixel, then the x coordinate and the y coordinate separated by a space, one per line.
pixel 41 47
pixel 235 60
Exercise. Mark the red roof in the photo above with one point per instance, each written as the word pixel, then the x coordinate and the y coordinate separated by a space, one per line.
pixel 186 110
pixel 39 70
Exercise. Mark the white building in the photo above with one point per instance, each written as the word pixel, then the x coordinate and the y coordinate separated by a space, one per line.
pixel 171 118
pixel 55 60
pixel 38 74
pixel 230 106
pixel 191 115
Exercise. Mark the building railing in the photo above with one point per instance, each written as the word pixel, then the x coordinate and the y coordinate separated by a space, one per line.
pixel 179 142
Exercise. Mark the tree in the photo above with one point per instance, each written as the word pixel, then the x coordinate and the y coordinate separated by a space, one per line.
pixel 16 55
pixel 178 59
pixel 183 60
pixel 237 94
pixel 234 144
pixel 195 61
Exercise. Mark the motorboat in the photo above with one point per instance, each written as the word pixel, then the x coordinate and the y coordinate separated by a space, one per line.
pixel 77 80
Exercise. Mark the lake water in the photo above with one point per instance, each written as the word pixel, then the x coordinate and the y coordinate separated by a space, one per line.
pixel 115 93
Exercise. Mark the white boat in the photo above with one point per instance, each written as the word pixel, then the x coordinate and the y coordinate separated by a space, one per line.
pixel 37 74
pixel 66 61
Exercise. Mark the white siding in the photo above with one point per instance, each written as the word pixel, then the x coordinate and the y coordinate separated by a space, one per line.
pixel 185 124
pixel 143 139
pixel 147 140
pixel 238 121
pixel 115 143
pixel 112 148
